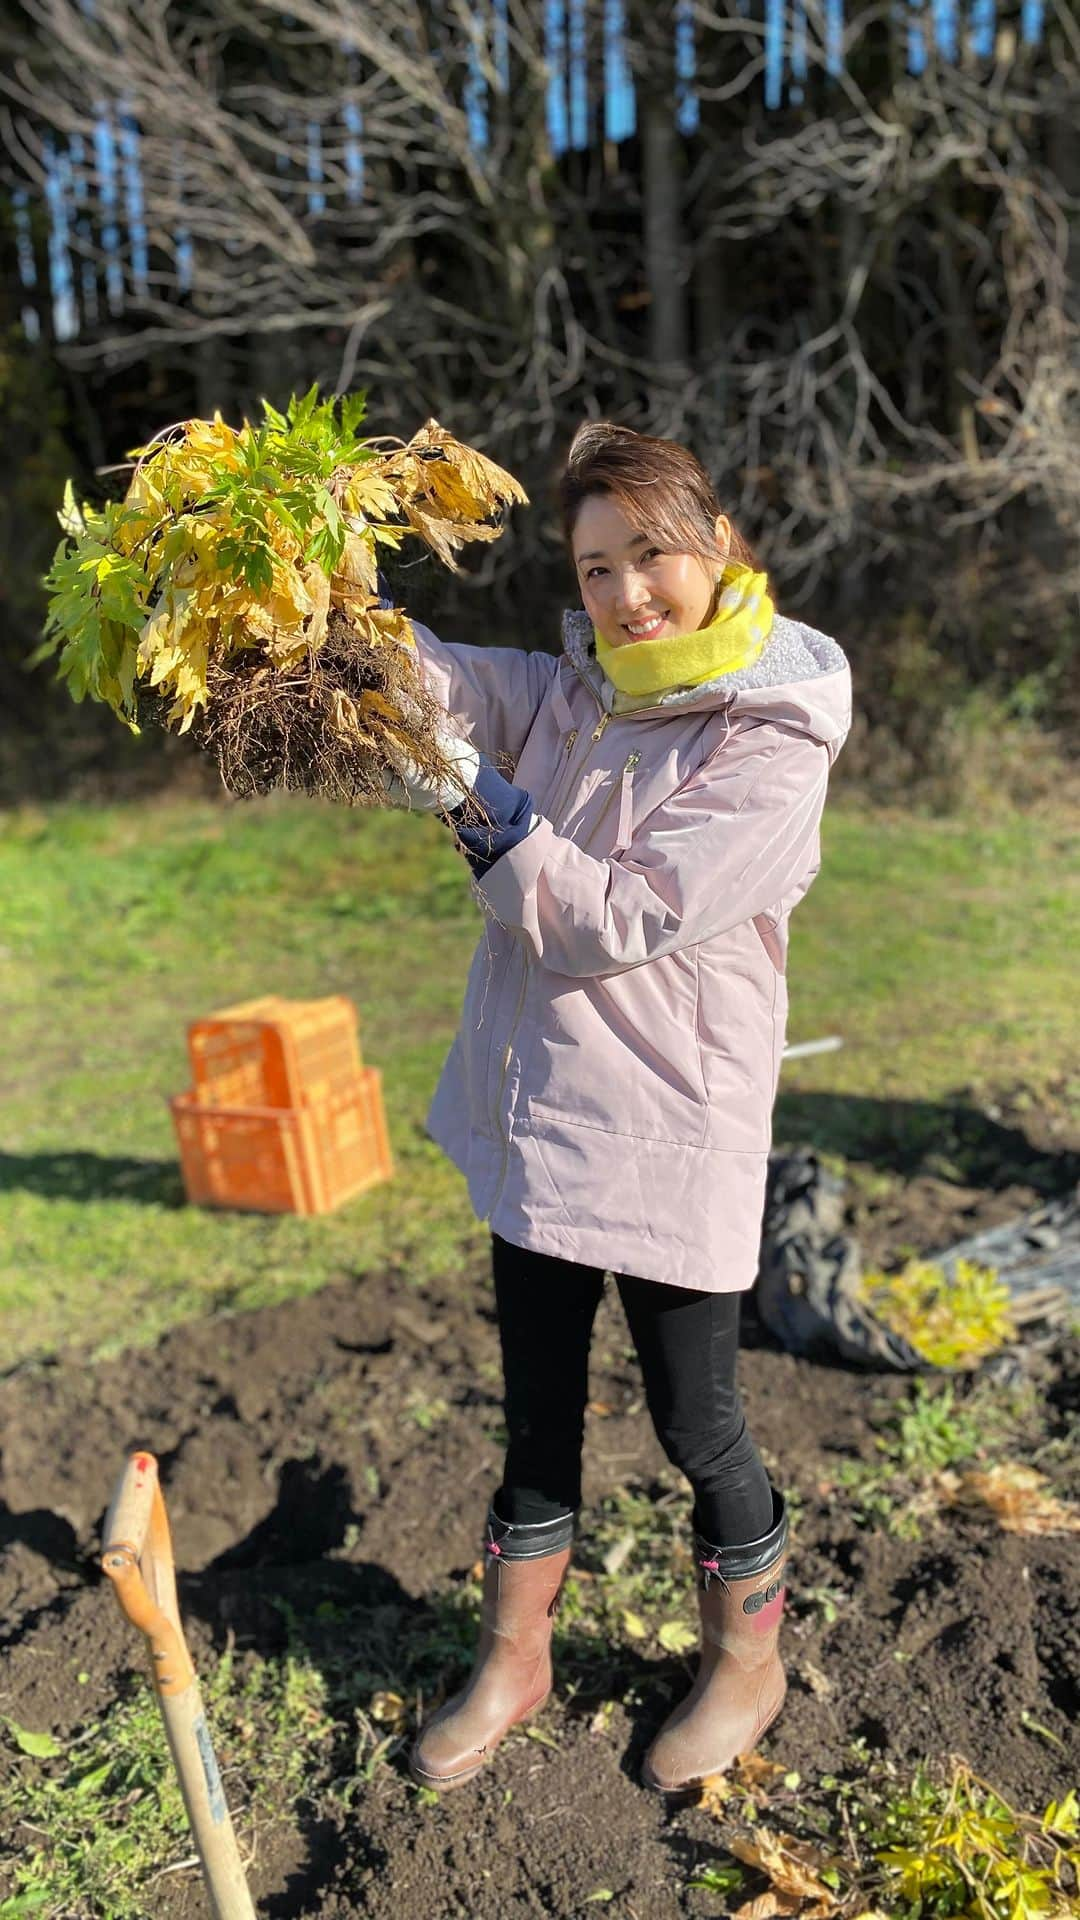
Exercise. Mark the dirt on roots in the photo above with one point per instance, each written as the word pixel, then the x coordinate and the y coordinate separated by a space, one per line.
pixel 327 1464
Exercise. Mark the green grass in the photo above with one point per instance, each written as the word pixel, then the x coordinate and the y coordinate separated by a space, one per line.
pixel 937 948
pixel 100 1815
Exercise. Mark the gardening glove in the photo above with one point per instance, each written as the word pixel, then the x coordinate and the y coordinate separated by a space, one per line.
pixel 499 816
pixel 406 786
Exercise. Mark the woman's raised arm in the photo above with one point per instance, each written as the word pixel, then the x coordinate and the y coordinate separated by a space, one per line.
pixel 494 693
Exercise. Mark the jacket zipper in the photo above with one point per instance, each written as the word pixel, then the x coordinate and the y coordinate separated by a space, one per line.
pixel 616 789
pixel 571 740
pixel 508 1050
pixel 504 1130
pixel 560 783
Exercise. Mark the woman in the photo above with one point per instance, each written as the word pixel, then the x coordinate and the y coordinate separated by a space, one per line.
pixel 608 1097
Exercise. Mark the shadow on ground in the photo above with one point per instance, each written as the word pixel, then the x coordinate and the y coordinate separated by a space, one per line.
pixel 909 1137
pixel 905 1137
pixel 80 1175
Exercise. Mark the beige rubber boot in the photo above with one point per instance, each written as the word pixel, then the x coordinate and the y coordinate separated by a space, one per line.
pixel 740 1684
pixel 511 1676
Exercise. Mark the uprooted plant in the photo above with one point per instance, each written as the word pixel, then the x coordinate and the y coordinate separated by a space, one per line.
pixel 234 591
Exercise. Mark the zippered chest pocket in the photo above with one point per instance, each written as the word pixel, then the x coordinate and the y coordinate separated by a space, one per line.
pixel 611 829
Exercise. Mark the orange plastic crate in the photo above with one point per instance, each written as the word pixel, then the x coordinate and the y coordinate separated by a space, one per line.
pixel 274 1052
pixel 306 1159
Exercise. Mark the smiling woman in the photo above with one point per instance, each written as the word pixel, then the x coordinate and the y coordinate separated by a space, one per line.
pixel 633 589
pixel 609 1092
pixel 650 543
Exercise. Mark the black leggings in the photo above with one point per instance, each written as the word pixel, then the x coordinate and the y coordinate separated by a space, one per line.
pixel 686 1342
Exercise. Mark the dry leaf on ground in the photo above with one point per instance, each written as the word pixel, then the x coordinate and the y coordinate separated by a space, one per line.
pixel 757 1772
pixel 1019 1498
pixel 791 1865
pixel 817 1681
pixel 714 1795
pixel 776 1906
pixel 752 1778
pixel 768 1906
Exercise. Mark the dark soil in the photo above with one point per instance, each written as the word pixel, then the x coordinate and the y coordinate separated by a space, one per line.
pixel 327 1464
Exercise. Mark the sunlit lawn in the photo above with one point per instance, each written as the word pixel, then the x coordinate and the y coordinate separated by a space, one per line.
pixel 938 949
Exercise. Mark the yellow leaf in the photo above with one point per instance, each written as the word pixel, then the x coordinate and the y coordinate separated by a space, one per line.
pixel 676 1637
pixel 389 1709
pixel 343 716
pixel 440 536
pixel 486 481
pixel 318 590
pixel 357 570
pixel 369 492
pixel 755 1771
pixel 715 1795
pixel 214 440
pixel 379 626
pixel 376 704
pixel 634 1625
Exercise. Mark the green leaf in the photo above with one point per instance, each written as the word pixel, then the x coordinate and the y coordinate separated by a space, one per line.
pixel 325 549
pixel 95 1778
pixel 24 1903
pixel 601 1894
pixel 717 1879
pixel 281 512
pixel 40 1746
pixel 70 515
pixel 329 509
pixel 259 571
pixel 353 411
pixel 300 411
pixel 543 1739
pixel 1029 1721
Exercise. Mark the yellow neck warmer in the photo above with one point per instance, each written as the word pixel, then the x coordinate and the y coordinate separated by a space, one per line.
pixel 732 640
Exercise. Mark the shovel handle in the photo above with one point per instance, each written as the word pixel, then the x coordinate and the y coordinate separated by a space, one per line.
pixel 138 1559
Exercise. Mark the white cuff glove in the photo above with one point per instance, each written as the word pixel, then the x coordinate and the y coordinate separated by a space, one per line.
pixel 424 793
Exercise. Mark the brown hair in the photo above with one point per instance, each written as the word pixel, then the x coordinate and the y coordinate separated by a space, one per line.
pixel 681 507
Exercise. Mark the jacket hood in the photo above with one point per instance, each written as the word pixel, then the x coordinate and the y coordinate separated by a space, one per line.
pixel 801 680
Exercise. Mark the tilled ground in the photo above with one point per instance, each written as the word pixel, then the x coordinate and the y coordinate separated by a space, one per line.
pixel 327 1464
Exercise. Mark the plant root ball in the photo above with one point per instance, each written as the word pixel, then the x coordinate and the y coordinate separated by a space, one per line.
pixel 301 729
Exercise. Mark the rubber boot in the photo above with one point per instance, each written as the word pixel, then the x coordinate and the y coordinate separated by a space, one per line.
pixel 740 1684
pixel 511 1676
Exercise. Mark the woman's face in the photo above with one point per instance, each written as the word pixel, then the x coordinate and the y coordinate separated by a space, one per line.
pixel 633 589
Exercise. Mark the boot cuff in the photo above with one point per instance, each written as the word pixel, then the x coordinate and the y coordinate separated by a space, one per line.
pixel 505 1541
pixel 745 1562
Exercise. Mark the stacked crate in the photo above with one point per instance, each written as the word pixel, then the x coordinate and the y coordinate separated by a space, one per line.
pixel 282 1117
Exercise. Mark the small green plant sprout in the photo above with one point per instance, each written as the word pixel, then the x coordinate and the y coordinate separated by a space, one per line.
pixel 962 1850
pixel 722 1880
pixel 920 1441
pixel 952 1320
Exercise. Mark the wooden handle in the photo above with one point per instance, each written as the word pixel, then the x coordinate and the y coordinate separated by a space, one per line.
pixel 138 1559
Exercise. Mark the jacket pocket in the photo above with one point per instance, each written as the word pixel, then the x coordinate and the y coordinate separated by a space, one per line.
pixel 616 807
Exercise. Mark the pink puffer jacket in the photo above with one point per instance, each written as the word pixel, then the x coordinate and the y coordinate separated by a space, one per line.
pixel 609 1093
